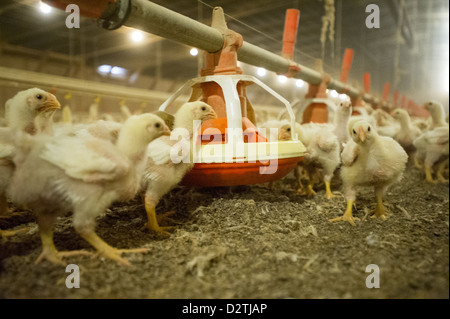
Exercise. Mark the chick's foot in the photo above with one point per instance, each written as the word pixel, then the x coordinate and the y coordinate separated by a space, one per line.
pixel 380 212
pixel 105 250
pixel 310 191
pixel 56 257
pixel 329 194
pixel 10 233
pixel 348 215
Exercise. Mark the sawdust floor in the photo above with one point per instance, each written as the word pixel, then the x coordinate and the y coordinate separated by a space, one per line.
pixel 250 242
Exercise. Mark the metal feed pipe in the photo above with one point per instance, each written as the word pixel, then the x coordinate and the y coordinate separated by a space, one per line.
pixel 150 17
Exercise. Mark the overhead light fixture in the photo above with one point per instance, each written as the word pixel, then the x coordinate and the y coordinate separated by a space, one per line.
pixel 299 83
pixel 118 71
pixel 334 94
pixel 45 8
pixel 137 36
pixel 104 69
pixel 261 71
pixel 194 51
pixel 282 78
pixel 343 96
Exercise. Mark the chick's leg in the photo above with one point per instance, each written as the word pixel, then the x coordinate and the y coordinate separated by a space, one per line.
pixel 106 250
pixel 380 211
pixel 417 163
pixel 328 193
pixel 152 221
pixel 348 215
pixel 49 251
pixel 428 174
pixel 440 172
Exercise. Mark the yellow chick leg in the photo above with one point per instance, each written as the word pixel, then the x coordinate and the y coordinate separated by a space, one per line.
pixel 152 221
pixel 310 190
pixel 105 250
pixel 440 172
pixel 348 215
pixel 49 251
pixel 329 194
pixel 9 233
pixel 428 174
pixel 417 163
pixel 380 211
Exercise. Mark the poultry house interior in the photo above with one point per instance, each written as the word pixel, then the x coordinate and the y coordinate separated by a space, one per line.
pixel 209 149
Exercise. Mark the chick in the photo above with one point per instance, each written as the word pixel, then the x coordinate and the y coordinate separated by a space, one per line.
pixel 162 174
pixel 22 109
pixel 408 132
pixel 432 147
pixel 369 159
pixel 437 114
pixel 322 151
pixel 29 111
pixel 341 118
pixel 56 174
pixel 385 123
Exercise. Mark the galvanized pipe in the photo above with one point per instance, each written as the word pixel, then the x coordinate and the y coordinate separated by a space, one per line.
pixel 150 17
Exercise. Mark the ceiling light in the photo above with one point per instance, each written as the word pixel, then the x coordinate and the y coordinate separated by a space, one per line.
pixel 342 96
pixel 193 52
pixel 299 83
pixel 116 70
pixel 104 69
pixel 137 36
pixel 334 94
pixel 261 71
pixel 45 8
pixel 282 79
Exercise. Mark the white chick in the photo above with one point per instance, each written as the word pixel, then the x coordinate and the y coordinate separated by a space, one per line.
pixel 432 147
pixel 55 175
pixel 341 118
pixel 408 132
pixel 437 114
pixel 22 109
pixel 162 174
pixel 369 159
pixel 275 125
pixel 385 123
pixel 322 151
pixel 29 111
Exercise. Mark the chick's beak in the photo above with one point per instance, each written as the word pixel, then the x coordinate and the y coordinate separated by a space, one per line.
pixel 210 115
pixel 362 134
pixel 166 131
pixel 50 104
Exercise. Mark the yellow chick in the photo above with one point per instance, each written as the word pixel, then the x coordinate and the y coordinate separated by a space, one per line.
pixel 432 147
pixel 162 173
pixel 30 111
pixel 85 175
pixel 369 160
pixel 408 132
pixel 322 151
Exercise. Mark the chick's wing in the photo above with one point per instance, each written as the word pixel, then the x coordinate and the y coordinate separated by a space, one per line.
pixel 90 160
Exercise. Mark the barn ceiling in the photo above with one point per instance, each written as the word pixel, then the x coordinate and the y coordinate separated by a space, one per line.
pixel 414 61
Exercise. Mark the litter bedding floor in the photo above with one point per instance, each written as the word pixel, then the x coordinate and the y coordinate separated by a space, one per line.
pixel 249 242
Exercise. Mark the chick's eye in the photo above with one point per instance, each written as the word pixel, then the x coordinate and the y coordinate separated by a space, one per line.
pixel 157 125
pixel 368 129
pixel 203 108
pixel 289 129
pixel 39 96
pixel 354 132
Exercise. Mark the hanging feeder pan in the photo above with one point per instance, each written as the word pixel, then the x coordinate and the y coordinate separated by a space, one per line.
pixel 231 150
